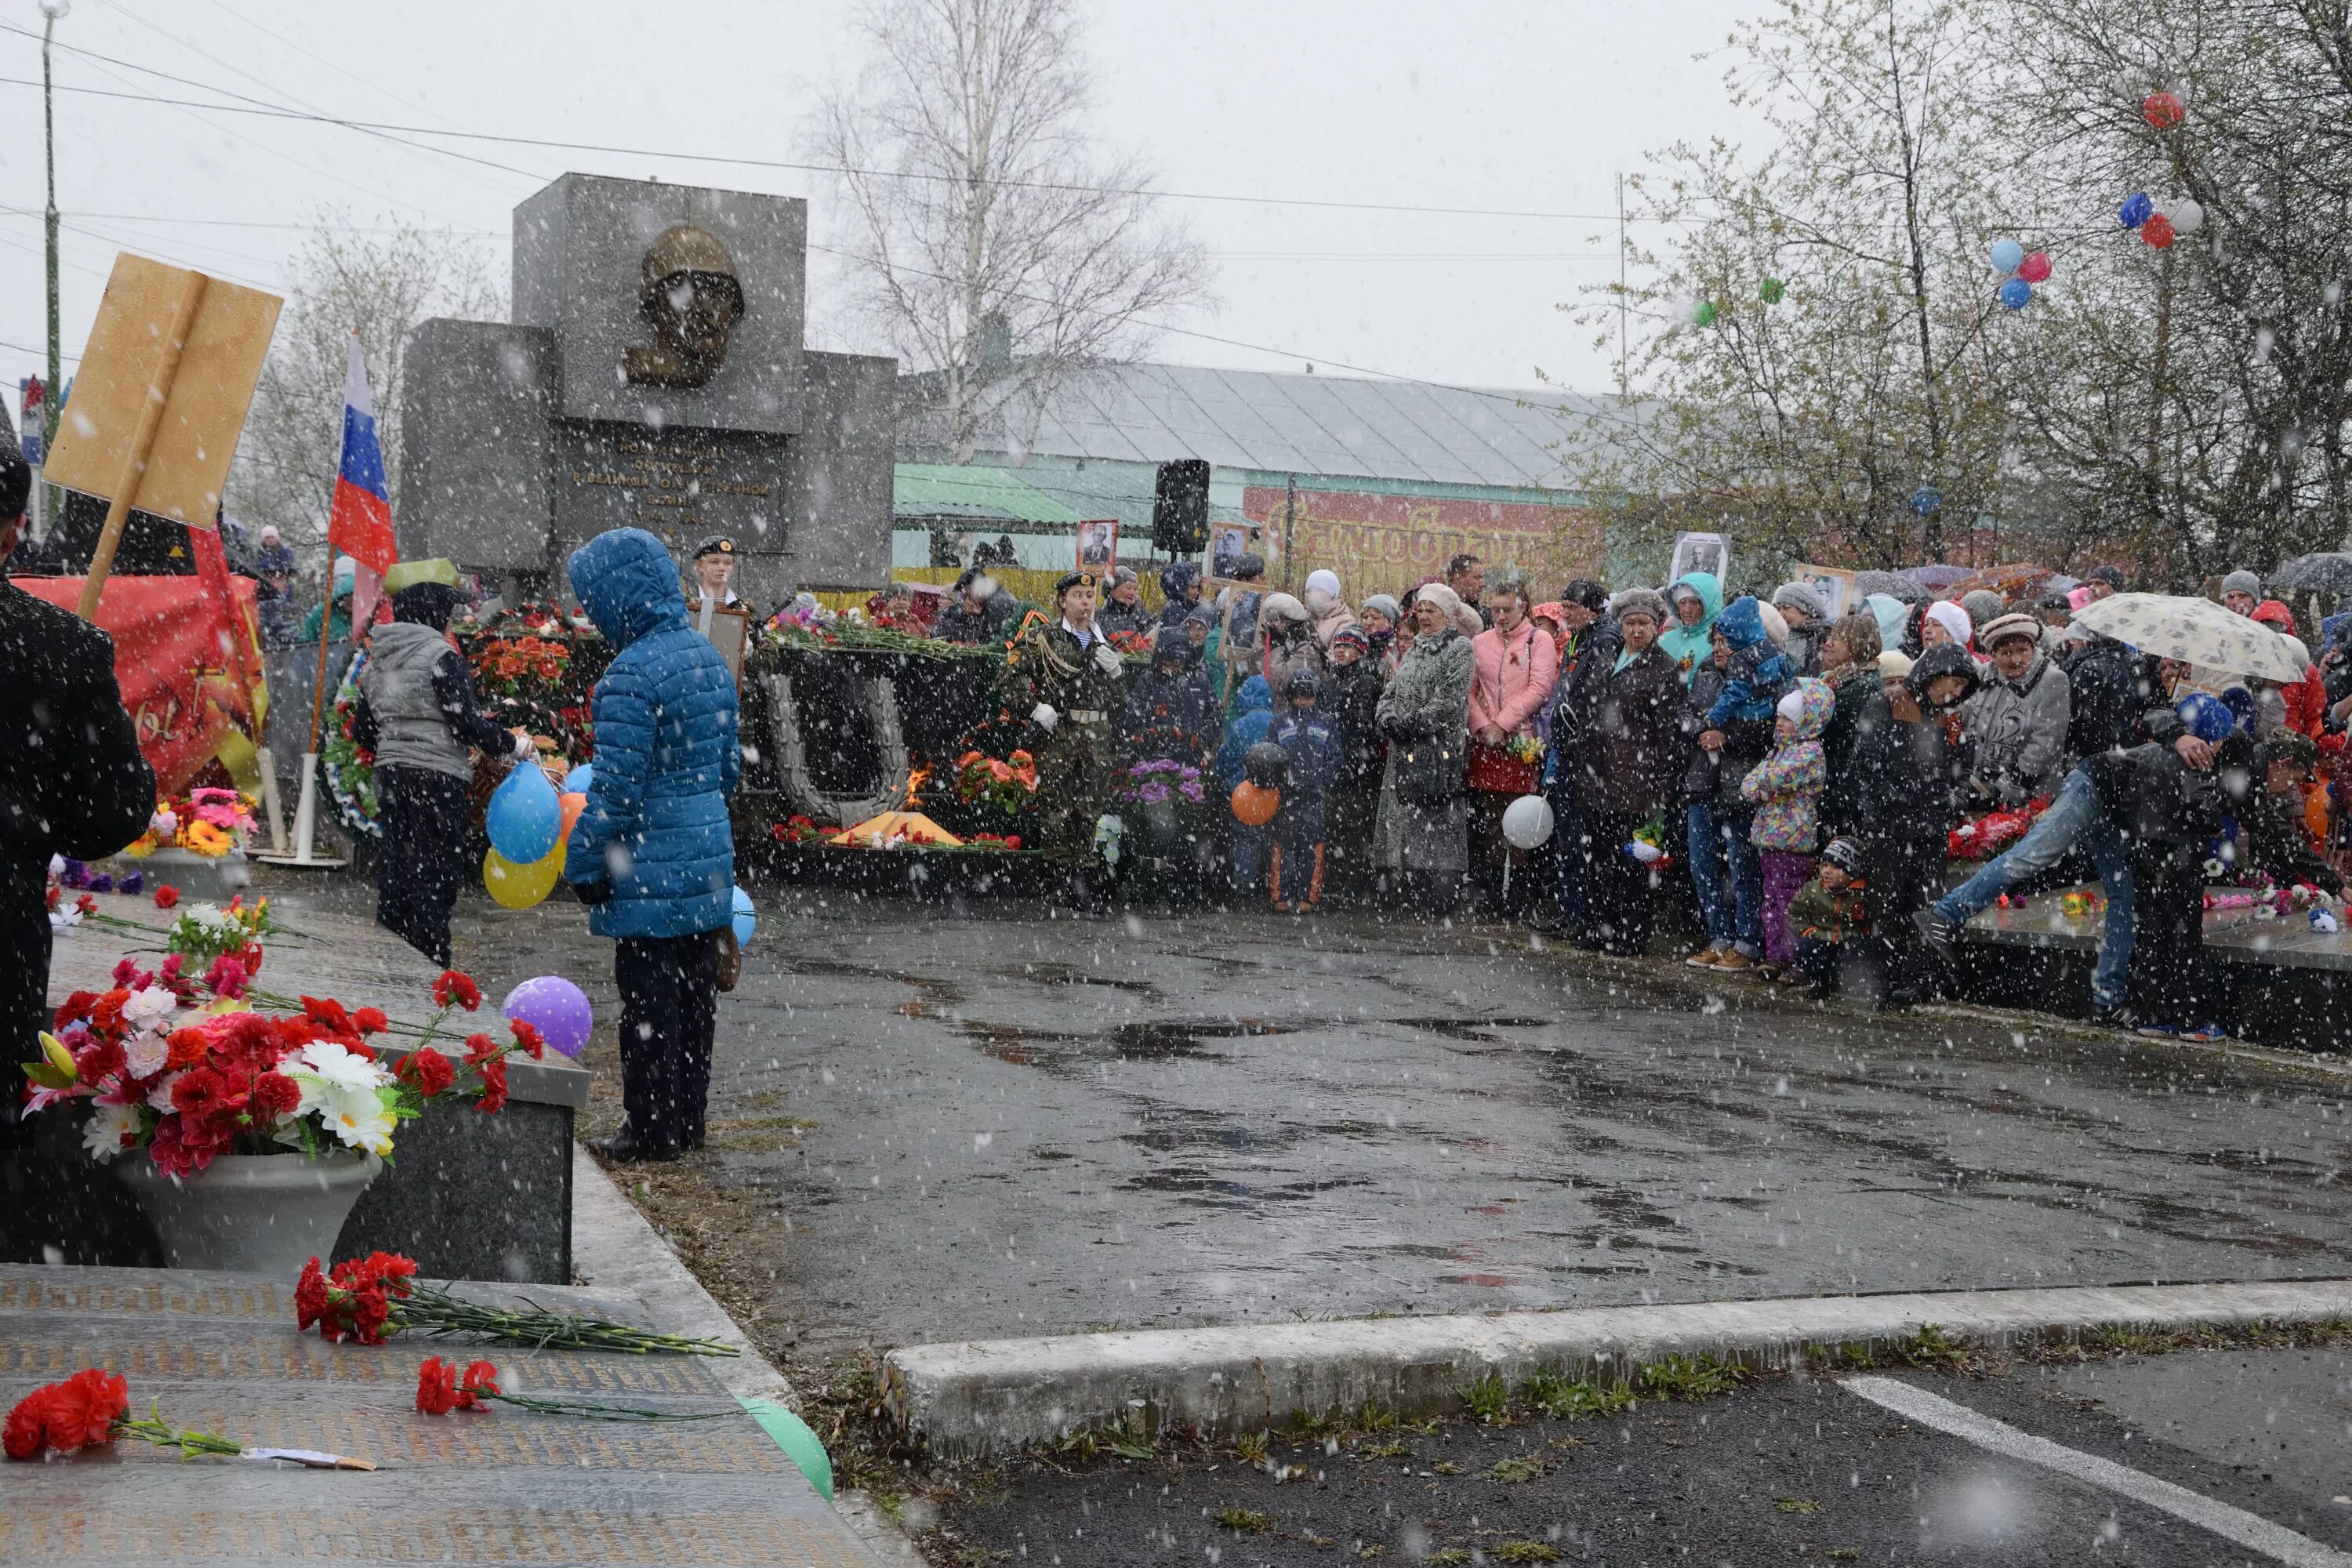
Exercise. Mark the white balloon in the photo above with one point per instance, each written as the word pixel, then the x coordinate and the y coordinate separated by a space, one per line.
pixel 2187 217
pixel 1527 822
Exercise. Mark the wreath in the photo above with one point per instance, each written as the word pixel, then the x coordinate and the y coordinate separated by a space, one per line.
pixel 346 769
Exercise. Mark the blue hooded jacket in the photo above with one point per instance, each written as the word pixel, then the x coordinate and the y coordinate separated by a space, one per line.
pixel 666 757
pixel 1257 704
pixel 1759 672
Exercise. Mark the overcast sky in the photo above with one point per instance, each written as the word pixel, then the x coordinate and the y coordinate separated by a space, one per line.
pixel 1527 105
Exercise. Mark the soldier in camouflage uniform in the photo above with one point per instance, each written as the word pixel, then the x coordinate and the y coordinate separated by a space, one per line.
pixel 1069 680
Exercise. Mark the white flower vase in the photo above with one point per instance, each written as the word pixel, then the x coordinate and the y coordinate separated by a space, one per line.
pixel 252 1214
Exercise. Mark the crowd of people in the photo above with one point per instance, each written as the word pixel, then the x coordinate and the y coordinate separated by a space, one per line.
pixel 1782 784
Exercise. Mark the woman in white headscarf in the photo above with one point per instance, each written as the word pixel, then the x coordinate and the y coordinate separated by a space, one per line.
pixel 1327 607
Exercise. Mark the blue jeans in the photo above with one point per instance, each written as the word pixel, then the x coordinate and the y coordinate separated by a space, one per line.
pixel 1572 856
pixel 2075 816
pixel 1728 875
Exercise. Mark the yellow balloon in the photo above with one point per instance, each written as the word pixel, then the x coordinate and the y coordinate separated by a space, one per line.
pixel 520 887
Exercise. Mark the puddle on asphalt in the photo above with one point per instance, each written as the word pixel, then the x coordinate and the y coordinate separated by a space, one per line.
pixel 1198 1185
pixel 1055 1051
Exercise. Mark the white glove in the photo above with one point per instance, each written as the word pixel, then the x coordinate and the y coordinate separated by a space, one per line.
pixel 525 748
pixel 1043 717
pixel 1107 658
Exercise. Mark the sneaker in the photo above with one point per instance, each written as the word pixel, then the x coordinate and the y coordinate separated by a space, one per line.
pixel 2205 1034
pixel 1941 935
pixel 2159 1031
pixel 1732 960
pixel 1706 957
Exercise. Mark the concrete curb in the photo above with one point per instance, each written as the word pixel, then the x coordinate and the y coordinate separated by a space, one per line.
pixel 990 1396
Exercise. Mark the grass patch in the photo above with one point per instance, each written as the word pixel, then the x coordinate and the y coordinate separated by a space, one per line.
pixel 1523 1552
pixel 1242 1520
pixel 1692 1377
pixel 1527 1468
pixel 1795 1505
pixel 1488 1400
pixel 1555 1394
pixel 1449 1557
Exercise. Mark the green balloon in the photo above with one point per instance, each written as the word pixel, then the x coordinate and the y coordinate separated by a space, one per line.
pixel 1703 314
pixel 800 1445
pixel 1772 291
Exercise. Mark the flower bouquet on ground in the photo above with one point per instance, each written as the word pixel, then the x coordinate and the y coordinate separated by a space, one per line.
pixel 1010 784
pixel 1158 782
pixel 92 1408
pixel 206 822
pixel 1986 836
pixel 368 1300
pixel 800 829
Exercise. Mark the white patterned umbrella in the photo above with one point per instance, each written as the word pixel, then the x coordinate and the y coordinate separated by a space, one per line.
pixel 2199 631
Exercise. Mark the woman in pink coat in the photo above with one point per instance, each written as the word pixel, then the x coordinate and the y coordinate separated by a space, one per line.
pixel 1513 665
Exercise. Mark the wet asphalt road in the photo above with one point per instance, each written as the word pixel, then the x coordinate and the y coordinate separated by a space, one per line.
pixel 997 1124
pixel 1796 1469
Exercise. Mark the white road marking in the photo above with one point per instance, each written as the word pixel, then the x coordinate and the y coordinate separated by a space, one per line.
pixel 2248 1529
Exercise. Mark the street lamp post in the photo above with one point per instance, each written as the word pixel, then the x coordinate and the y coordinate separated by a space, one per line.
pixel 52 12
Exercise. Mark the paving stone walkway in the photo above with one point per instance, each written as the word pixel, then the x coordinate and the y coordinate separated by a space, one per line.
pixel 220 1352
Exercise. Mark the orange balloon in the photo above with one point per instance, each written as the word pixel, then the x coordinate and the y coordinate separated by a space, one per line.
pixel 1254 804
pixel 572 804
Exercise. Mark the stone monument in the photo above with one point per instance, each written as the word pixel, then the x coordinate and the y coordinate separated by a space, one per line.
pixel 654 376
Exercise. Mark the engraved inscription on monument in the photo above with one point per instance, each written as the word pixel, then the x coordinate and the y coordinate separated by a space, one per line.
pixel 678 484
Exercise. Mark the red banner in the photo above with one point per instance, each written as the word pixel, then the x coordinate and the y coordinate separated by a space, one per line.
pixel 175 659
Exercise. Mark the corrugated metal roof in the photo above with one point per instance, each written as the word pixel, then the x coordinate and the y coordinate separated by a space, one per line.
pixel 934 490
pixel 1324 425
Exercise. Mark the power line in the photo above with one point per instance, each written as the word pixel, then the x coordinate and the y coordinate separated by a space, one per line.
pixel 389 129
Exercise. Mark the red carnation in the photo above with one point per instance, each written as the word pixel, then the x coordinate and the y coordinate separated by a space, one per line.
pixel 126 971
pixel 526 1038
pixel 275 1094
pixel 494 1086
pixel 74 1414
pixel 428 1070
pixel 98 1061
pixel 200 1093
pixel 309 1296
pixel 437 1386
pixel 479 1048
pixel 457 989
pixel 166 896
pixel 25 1434
pixel 101 1396
pixel 328 1014
pixel 371 1021
pixel 188 1048
pixel 481 1380
pixel 86 904
pixel 226 978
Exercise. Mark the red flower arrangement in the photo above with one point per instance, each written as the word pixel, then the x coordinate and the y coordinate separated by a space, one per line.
pixel 798 830
pixel 457 989
pixel 172 1073
pixel 166 896
pixel 368 1300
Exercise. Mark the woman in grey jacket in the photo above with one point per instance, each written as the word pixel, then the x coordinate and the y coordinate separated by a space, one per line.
pixel 2015 727
pixel 1423 833
pixel 417 712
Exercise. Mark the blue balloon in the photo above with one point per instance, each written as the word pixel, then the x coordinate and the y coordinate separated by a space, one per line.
pixel 524 816
pixel 1926 500
pixel 2007 256
pixel 576 781
pixel 2137 210
pixel 746 919
pixel 2017 293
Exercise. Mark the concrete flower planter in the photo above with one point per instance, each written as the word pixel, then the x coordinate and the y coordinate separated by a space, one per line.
pixel 206 878
pixel 252 1214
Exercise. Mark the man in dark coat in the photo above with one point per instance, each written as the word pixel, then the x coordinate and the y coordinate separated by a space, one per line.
pixel 1589 645
pixel 1907 769
pixel 978 612
pixel 1629 752
pixel 2104 698
pixel 71 779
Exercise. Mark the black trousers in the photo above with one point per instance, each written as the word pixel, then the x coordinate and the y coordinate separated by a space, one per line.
pixel 422 857
pixel 24 981
pixel 670 1007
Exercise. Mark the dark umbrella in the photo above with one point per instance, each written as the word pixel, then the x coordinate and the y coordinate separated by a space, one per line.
pixel 1937 577
pixel 1894 584
pixel 2329 571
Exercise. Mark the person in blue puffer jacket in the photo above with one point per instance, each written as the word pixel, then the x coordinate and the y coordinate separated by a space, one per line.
pixel 1757 675
pixel 653 853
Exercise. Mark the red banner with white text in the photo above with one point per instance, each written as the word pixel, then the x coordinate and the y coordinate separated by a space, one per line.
pixel 176 660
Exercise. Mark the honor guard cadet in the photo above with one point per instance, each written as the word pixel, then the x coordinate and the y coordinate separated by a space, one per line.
pixel 1068 679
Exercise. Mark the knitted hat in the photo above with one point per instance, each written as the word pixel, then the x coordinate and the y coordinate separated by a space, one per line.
pixel 2291 746
pixel 1953 620
pixel 1385 604
pixel 1303 682
pixel 2006 626
pixel 1584 591
pixel 2112 575
pixel 2275 615
pixel 2206 717
pixel 1791 704
pixel 1639 602
pixel 1438 594
pixel 1328 581
pixel 2243 582
pixel 1983 605
pixel 1802 598
pixel 1351 636
pixel 1894 666
pixel 1844 854
pixel 1281 607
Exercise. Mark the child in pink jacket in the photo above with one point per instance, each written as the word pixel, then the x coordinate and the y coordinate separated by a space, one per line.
pixel 1786 790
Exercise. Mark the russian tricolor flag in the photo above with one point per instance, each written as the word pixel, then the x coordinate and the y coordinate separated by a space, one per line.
pixel 359 523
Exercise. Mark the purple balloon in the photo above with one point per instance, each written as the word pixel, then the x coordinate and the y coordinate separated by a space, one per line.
pixel 556 1008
